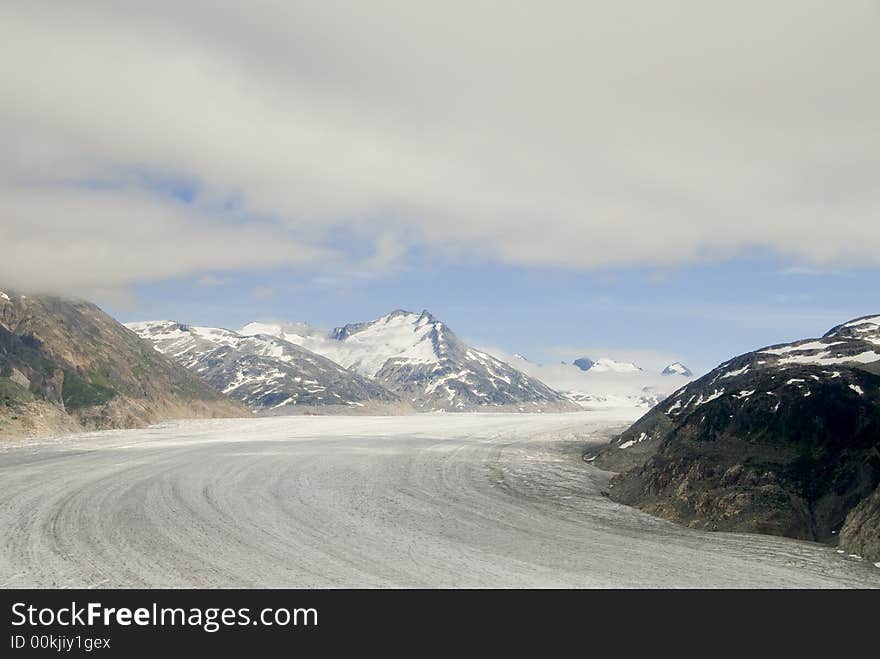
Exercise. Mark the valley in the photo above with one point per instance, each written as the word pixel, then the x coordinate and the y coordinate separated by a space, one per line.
pixel 431 500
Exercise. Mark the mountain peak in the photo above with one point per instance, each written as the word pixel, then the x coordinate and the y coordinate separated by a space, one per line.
pixel 260 367
pixel 584 363
pixel 677 368
pixel 397 313
pixel 865 328
pixel 419 358
pixel 426 317
pixel 402 317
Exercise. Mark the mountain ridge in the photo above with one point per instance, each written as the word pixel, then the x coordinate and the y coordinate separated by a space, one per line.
pixel 782 440
pixel 677 368
pixel 262 371
pixel 418 357
pixel 65 365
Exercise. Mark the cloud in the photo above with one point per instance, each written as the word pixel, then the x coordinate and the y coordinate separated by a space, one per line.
pixel 263 292
pixel 579 134
pixel 804 271
pixel 78 241
pixel 209 280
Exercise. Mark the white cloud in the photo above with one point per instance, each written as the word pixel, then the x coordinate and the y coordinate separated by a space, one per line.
pixel 263 292
pixel 79 242
pixel 569 133
pixel 209 280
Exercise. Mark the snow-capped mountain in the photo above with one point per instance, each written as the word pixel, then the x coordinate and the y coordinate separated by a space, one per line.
pixel 605 365
pixel 263 371
pixel 419 358
pixel 866 329
pixel 774 380
pixel 365 347
pixel 784 440
pixel 584 363
pixel 677 368
pixel 647 397
pixel 602 383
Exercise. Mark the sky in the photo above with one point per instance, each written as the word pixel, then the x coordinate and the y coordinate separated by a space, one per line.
pixel 673 179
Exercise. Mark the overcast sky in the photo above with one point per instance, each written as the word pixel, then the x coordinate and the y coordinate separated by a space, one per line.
pixel 151 143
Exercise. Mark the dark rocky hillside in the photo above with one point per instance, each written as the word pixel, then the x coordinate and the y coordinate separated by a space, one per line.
pixel 861 532
pixel 784 440
pixel 66 365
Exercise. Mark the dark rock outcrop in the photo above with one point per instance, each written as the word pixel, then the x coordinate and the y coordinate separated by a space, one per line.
pixel 861 531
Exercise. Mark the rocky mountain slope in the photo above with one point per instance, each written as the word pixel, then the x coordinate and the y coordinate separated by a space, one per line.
pixel 420 359
pixel 265 372
pixel 66 365
pixel 783 440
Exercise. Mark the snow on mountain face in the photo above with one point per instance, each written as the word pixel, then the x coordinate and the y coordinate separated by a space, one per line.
pixel 796 425
pixel 323 343
pixel 781 376
pixel 863 329
pixel 606 387
pixel 677 368
pixel 264 372
pixel 605 365
pixel 419 358
pixel 645 398
pixel 400 336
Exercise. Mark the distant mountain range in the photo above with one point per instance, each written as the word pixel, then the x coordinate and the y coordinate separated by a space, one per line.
pixel 65 365
pixel 605 382
pixel 782 440
pixel 404 357
pixel 101 375
pixel 260 370
pixel 606 365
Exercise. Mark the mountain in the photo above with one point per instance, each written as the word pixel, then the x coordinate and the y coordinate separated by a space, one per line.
pixel 645 397
pixel 65 365
pixel 604 365
pixel 602 383
pixel 421 360
pixel 677 368
pixel 783 440
pixel 262 371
